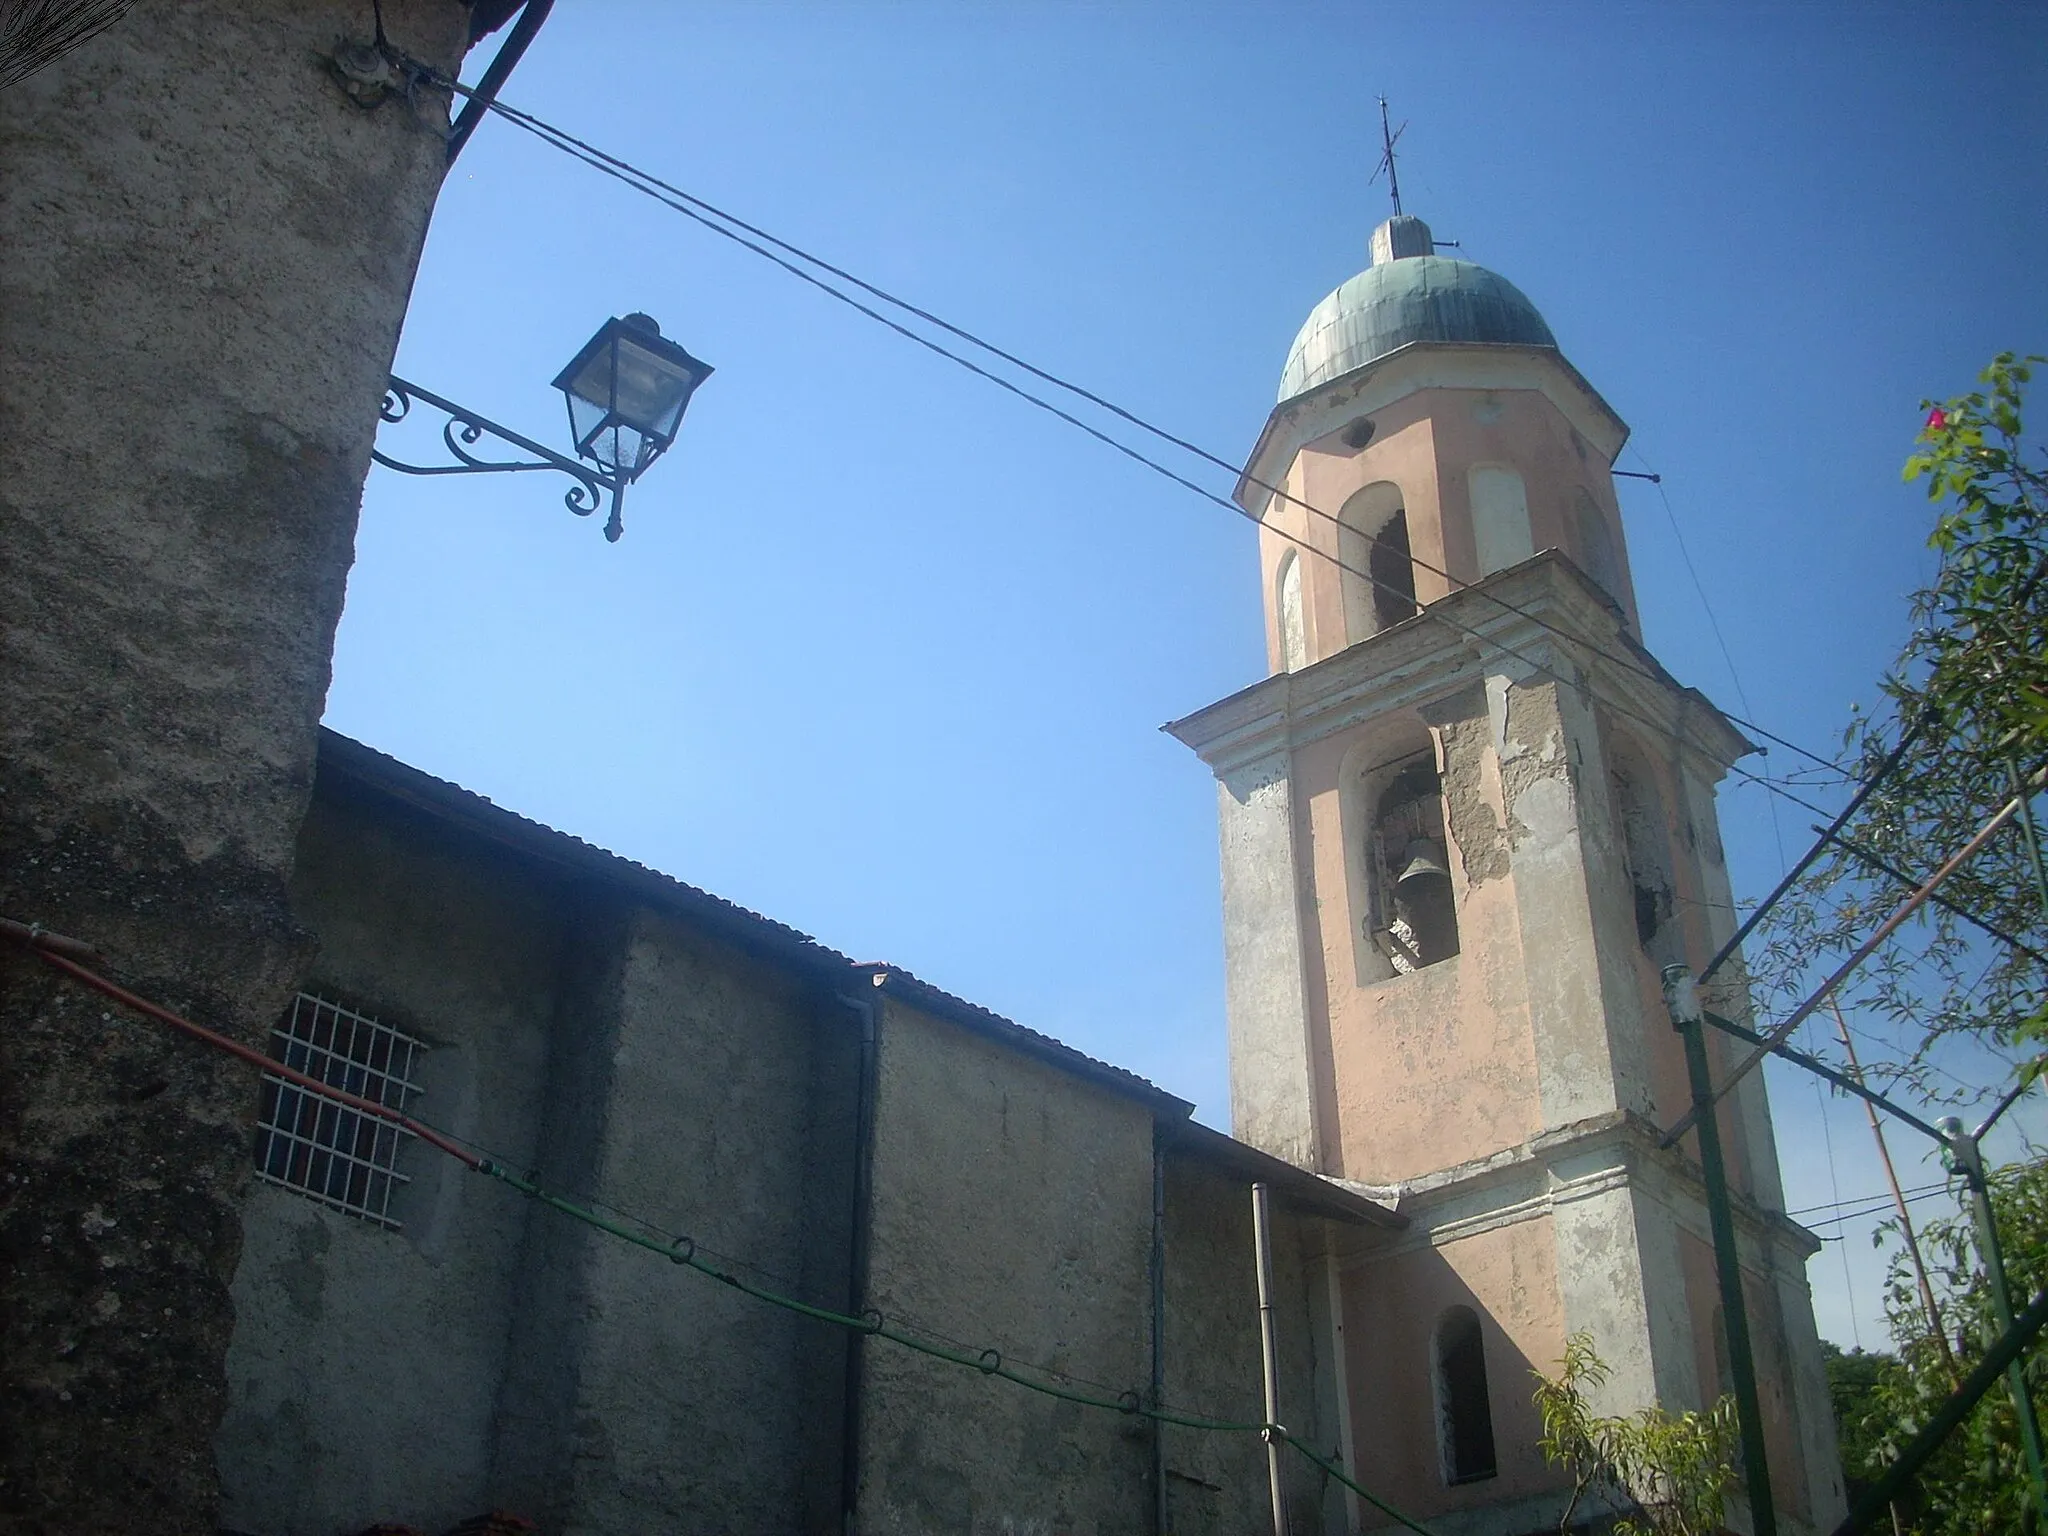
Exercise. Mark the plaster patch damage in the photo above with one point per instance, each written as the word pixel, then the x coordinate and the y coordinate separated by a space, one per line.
pixel 1489 821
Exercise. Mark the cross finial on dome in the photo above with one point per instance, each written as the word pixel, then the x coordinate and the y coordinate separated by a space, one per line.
pixel 1388 136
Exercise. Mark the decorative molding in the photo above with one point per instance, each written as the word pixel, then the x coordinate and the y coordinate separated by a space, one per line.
pixel 463 429
pixel 1490 366
pixel 1583 1161
pixel 1423 659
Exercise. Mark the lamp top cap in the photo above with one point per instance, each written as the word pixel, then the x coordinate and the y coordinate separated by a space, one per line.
pixel 641 322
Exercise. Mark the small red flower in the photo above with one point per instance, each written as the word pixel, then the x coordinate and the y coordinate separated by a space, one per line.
pixel 1936 419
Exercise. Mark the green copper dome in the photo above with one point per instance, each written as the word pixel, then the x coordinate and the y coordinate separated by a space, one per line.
pixel 1408 294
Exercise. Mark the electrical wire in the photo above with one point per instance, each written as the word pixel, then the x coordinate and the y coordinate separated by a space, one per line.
pixel 1875 1205
pixel 766 245
pixel 681 203
pixel 1918 1192
pixel 753 240
pixel 678 1249
pixel 1827 1134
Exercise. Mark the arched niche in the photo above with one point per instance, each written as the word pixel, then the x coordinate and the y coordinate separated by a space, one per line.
pixel 1287 605
pixel 1595 544
pixel 1378 570
pixel 1500 517
pixel 1463 1402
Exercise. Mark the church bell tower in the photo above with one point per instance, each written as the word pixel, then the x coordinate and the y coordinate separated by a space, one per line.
pixel 1466 819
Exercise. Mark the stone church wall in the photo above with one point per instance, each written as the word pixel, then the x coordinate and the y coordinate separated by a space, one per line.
pixel 365 1364
pixel 207 257
pixel 1013 1208
pixel 494 1353
pixel 583 1023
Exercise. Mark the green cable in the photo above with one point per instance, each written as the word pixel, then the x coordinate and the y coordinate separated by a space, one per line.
pixel 1373 1499
pixel 989 1362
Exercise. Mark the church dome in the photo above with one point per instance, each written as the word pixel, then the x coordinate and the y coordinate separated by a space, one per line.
pixel 1409 293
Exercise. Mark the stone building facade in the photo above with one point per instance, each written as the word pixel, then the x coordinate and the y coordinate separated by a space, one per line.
pixel 208 252
pixel 838 1132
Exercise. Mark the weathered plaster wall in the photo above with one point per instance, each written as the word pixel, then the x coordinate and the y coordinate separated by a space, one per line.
pixel 684 1412
pixel 1427 1069
pixel 1273 1080
pixel 1217 1482
pixel 364 1370
pixel 1012 1207
pixel 1799 1438
pixel 208 254
pixel 1537 1020
pixel 1508 1274
pixel 495 1353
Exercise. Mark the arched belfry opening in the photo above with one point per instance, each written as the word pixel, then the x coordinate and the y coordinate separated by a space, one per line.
pixel 1416 906
pixel 1645 837
pixel 1378 569
pixel 1393 572
pixel 1464 1407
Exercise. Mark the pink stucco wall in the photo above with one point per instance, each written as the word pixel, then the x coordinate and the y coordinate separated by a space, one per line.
pixel 1392 1307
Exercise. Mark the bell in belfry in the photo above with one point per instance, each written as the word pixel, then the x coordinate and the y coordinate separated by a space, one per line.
pixel 1423 861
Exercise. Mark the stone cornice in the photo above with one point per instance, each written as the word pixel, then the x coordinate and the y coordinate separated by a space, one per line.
pixel 1449 645
pixel 1424 365
pixel 1580 1161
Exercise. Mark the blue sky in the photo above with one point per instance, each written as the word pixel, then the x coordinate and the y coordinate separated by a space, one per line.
pixel 884 652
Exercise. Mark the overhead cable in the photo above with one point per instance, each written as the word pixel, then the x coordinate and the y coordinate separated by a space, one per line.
pixel 1776 1036
pixel 766 245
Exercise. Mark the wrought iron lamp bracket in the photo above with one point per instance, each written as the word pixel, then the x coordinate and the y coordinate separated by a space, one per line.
pixel 464 429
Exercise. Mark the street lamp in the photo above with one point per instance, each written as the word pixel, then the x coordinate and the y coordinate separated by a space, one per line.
pixel 627 390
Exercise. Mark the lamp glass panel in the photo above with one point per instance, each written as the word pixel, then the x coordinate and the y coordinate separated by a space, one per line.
pixel 592 381
pixel 652 389
pixel 586 419
pixel 620 448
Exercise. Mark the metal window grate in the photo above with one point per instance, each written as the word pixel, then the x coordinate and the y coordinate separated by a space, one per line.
pixel 337 1155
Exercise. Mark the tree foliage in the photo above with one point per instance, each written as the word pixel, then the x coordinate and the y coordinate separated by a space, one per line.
pixel 1977 1482
pixel 1970 689
pixel 1660 1473
pixel 1860 1383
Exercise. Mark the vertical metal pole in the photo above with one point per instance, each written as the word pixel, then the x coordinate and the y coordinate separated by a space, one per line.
pixel 1681 998
pixel 2022 793
pixel 1158 1278
pixel 1262 1248
pixel 1967 1158
pixel 1891 1174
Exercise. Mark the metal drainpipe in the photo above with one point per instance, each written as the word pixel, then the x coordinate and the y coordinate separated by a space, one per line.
pixel 1262 1253
pixel 859 1231
pixel 1158 1329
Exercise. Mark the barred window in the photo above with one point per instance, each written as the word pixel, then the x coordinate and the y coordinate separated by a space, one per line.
pixel 336 1155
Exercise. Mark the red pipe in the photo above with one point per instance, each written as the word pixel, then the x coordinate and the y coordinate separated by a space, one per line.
pixel 46 945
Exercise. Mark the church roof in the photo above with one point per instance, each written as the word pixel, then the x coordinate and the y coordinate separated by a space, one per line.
pixel 1408 294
